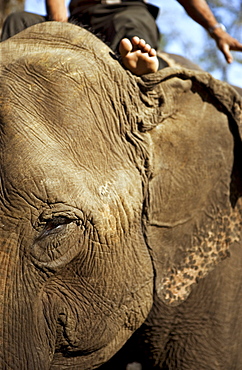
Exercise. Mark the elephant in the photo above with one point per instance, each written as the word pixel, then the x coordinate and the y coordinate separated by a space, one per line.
pixel 178 61
pixel 120 210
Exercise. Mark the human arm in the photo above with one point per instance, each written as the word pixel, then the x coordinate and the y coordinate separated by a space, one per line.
pixel 200 12
pixel 56 10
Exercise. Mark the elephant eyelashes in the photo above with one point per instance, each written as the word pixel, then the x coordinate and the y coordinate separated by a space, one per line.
pixel 54 226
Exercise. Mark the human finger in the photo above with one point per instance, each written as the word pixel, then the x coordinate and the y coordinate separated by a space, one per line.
pixel 226 52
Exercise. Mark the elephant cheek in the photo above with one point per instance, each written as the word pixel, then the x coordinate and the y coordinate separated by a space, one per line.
pixel 83 317
pixel 72 324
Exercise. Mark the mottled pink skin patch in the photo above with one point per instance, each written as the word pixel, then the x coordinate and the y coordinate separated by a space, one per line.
pixel 209 247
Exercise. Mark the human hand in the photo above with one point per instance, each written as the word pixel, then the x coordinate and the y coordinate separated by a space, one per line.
pixel 225 43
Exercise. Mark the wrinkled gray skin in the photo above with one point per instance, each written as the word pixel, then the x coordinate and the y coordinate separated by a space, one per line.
pixel 120 211
pixel 178 61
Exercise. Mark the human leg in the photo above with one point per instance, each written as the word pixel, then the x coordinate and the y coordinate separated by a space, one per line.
pixel 119 24
pixel 138 46
pixel 133 20
pixel 17 22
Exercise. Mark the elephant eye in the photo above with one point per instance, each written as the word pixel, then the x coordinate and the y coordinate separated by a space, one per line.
pixel 55 225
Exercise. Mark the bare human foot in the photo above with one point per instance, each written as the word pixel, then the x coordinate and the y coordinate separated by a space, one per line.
pixel 137 56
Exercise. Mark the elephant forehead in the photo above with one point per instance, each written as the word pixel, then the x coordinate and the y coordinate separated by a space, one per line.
pixel 45 178
pixel 63 41
pixel 43 89
pixel 53 76
pixel 77 159
pixel 33 150
pixel 47 104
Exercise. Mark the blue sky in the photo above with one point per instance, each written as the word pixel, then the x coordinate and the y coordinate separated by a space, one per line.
pixel 171 14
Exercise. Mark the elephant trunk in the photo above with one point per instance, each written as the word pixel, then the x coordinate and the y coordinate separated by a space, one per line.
pixel 20 345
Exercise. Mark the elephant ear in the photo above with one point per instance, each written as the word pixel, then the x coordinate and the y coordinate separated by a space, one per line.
pixel 193 207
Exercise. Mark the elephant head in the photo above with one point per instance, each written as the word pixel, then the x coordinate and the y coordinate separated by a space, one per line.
pixel 113 188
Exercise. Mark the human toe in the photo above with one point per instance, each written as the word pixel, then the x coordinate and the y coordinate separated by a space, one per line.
pixel 146 48
pixel 135 40
pixel 142 44
pixel 125 46
pixel 152 52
